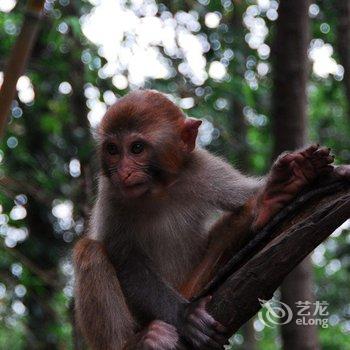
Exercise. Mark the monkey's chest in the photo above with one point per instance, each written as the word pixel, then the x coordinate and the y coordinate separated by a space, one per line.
pixel 176 245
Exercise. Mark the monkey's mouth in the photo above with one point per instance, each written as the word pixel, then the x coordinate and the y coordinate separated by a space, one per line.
pixel 133 190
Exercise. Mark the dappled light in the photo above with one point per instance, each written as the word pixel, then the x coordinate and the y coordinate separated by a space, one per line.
pixel 219 62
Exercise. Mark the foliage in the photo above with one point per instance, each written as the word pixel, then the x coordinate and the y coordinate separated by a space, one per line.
pixel 47 163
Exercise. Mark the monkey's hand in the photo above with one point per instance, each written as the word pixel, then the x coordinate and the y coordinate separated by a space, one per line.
pixel 290 174
pixel 159 335
pixel 200 329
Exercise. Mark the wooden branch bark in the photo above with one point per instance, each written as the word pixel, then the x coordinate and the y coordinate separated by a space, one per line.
pixel 19 58
pixel 258 270
pixel 342 8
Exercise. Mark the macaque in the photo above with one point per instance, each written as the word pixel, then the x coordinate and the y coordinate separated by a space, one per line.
pixel 149 237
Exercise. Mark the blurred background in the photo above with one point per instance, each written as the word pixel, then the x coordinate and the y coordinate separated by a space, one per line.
pixel 263 75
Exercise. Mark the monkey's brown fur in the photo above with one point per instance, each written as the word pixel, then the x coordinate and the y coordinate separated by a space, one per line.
pixel 149 238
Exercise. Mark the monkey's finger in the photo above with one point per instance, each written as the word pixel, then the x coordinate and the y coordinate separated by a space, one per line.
pixel 206 324
pixel 320 162
pixel 325 159
pixel 204 316
pixel 208 321
pixel 330 159
pixel 285 160
pixel 322 152
pixel 201 340
pixel 309 151
pixel 221 328
pixel 302 162
pixel 204 302
pixel 206 329
pixel 304 168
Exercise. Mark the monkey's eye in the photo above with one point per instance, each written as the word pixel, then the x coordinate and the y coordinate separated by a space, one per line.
pixel 137 147
pixel 112 149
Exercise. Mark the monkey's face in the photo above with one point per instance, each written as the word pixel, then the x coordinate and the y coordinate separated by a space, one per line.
pixel 126 162
pixel 145 140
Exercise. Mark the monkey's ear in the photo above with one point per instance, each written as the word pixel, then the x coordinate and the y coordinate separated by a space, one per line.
pixel 189 133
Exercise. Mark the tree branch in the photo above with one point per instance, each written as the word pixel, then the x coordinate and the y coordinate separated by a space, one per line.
pixel 260 267
pixel 19 57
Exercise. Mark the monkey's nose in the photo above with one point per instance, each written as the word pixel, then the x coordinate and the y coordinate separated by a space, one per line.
pixel 125 176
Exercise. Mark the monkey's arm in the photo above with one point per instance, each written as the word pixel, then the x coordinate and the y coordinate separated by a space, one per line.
pixel 290 174
pixel 226 237
pixel 151 298
pixel 101 312
pixel 223 186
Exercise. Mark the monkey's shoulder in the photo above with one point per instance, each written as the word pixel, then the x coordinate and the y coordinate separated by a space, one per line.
pixel 208 166
pixel 207 174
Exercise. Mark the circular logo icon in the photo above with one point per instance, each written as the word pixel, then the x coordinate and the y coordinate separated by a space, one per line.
pixel 274 313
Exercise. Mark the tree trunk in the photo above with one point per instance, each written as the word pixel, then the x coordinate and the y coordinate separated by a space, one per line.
pixel 286 241
pixel 290 70
pixel 238 123
pixel 239 132
pixel 19 57
pixel 298 286
pixel 289 127
pixel 343 40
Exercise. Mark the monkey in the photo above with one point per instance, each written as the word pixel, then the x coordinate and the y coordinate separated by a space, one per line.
pixel 149 235
pixel 290 173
